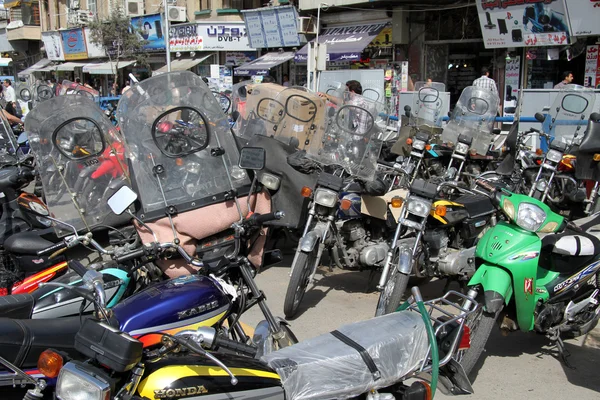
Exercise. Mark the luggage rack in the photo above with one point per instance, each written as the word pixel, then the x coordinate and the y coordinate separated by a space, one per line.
pixel 454 312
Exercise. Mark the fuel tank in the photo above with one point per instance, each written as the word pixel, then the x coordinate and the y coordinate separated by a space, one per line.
pixel 193 377
pixel 186 302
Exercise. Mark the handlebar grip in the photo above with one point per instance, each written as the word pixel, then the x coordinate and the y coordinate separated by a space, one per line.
pixel 233 345
pixel 485 184
pixel 260 219
pixel 77 267
pixel 139 253
pixel 55 247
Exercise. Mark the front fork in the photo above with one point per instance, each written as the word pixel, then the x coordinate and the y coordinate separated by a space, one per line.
pixel 591 202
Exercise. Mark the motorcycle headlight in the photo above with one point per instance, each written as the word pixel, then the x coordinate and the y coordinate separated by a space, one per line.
pixel 461 148
pixel 38 208
pixel 554 156
pixel 269 181
pixel 418 144
pixel 530 217
pixel 237 173
pixel 418 207
pixel 43 221
pixel 74 383
pixel 326 197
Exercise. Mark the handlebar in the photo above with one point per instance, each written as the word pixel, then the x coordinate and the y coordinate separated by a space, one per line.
pixel 233 345
pixel 55 247
pixel 259 219
pixel 78 267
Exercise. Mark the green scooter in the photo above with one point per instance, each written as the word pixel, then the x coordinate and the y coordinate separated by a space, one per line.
pixel 535 272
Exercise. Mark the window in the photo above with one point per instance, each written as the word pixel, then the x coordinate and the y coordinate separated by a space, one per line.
pixel 241 4
pixel 205 5
pixel 91 6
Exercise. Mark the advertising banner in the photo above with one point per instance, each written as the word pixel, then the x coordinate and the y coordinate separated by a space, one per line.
pixel 74 44
pixel 272 27
pixel 592 67
pixel 520 23
pixel 93 50
pixel 150 28
pixel 584 16
pixel 209 36
pixel 53 46
pixel 239 57
pixel 512 73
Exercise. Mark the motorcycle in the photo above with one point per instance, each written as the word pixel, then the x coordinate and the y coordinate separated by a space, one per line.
pixel 536 272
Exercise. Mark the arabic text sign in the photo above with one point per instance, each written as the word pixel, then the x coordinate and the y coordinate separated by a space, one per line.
pixel 584 16
pixel 272 27
pixel 592 67
pixel 512 73
pixel 209 36
pixel 53 46
pixel 74 44
pixel 519 23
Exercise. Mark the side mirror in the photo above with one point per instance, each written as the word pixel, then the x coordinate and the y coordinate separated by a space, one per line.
pixel 252 158
pixel 595 117
pixel 122 199
pixel 496 131
pixel 407 111
pixel 540 117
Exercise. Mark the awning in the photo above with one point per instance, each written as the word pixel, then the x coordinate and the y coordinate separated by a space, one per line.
pixel 70 66
pixel 5 61
pixel 183 64
pixel 35 67
pixel 344 43
pixel 262 65
pixel 107 68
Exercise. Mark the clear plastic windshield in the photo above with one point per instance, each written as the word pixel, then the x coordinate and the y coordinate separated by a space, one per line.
pixel 179 144
pixel 353 136
pixel 69 87
pixel 473 116
pixel 569 113
pixel 80 156
pixel 428 106
pixel 23 91
pixel 239 113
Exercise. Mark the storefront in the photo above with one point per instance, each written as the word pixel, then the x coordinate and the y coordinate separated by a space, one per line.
pixel 268 64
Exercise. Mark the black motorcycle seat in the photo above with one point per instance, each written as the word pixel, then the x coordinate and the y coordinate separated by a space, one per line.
pixel 591 141
pixel 26 243
pixel 22 341
pixel 9 178
pixel 476 206
pixel 17 306
pixel 569 251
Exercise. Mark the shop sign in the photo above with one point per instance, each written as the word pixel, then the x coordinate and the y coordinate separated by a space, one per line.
pixel 592 67
pixel 239 57
pixel 209 37
pixel 520 23
pixel 512 73
pixel 272 27
pixel 384 39
pixel 74 44
pixel 94 50
pixel 150 28
pixel 53 46
pixel 584 16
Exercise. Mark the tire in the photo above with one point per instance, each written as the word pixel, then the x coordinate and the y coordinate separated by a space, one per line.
pixel 481 326
pixel 298 282
pixel 391 295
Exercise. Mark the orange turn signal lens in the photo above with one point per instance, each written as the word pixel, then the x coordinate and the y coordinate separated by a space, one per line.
pixel 539 152
pixel 409 141
pixel 396 202
pixel 179 162
pixel 440 210
pixel 50 363
pixel 596 157
pixel 427 147
pixel 306 191
pixel 345 204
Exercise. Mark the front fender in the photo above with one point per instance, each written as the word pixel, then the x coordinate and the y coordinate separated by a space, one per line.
pixel 497 286
pixel 307 243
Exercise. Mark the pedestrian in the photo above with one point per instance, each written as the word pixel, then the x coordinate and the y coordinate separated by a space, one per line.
pixel 360 119
pixel 485 82
pixel 126 87
pixel 286 80
pixel 9 92
pixel 567 79
pixel 115 89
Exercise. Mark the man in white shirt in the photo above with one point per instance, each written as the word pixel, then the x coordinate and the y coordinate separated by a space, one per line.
pixel 9 92
pixel 485 82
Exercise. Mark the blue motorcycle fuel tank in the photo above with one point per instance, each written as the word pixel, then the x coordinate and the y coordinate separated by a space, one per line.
pixel 187 302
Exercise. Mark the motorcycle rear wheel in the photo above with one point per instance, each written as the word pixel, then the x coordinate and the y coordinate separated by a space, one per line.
pixel 298 282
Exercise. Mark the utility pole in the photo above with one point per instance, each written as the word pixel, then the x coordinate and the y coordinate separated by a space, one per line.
pixel 167 39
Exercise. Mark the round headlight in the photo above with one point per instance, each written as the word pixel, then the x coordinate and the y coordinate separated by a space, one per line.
pixel 38 208
pixel 461 148
pixel 326 197
pixel 419 144
pixel 530 217
pixel 418 207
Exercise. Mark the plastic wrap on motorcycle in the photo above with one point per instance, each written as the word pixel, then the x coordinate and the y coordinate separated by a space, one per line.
pixel 326 368
pixel 473 117
pixel 71 136
pixel 180 147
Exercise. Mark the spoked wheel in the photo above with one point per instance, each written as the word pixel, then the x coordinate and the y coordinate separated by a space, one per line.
pixel 299 282
pixel 391 295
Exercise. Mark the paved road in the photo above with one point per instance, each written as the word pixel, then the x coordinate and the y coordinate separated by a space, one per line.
pixel 517 366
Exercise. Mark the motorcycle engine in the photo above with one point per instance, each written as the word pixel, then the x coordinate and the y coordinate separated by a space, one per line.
pixel 353 230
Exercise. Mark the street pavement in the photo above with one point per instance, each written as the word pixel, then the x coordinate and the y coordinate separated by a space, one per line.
pixel 516 366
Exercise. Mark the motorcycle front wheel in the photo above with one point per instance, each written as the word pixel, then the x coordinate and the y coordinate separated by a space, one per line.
pixel 391 295
pixel 299 280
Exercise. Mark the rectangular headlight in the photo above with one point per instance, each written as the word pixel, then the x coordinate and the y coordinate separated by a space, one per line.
pixel 419 207
pixel 530 217
pixel 418 144
pixel 269 181
pixel 74 383
pixel 554 156
pixel 326 197
pixel 461 148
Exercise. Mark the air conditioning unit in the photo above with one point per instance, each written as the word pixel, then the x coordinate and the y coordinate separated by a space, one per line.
pixel 134 8
pixel 177 14
pixel 307 25
pixel 84 17
pixel 74 4
pixel 172 2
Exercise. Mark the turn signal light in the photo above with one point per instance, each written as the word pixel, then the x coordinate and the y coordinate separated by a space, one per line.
pixel 50 363
pixel 179 162
pixel 419 390
pixel 409 141
pixel 465 340
pixel 396 202
pixel 440 210
pixel 539 152
pixel 306 191
pixel 345 204
pixel 596 157
pixel 427 147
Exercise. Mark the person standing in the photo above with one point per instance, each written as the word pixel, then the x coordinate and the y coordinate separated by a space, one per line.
pixel 567 79
pixel 286 81
pixel 9 92
pixel 126 87
pixel 485 82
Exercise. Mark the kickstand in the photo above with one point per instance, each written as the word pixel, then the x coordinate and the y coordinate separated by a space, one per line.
pixel 563 352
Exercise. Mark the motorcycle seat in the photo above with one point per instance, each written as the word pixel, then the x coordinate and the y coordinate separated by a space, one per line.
pixel 26 243
pixel 22 341
pixel 476 206
pixel 591 141
pixel 18 306
pixel 569 251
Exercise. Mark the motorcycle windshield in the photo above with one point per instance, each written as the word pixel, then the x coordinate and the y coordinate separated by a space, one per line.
pixel 473 117
pixel 69 87
pixel 428 106
pixel 295 116
pixel 352 140
pixel 23 91
pixel 80 156
pixel 179 145
pixel 569 113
